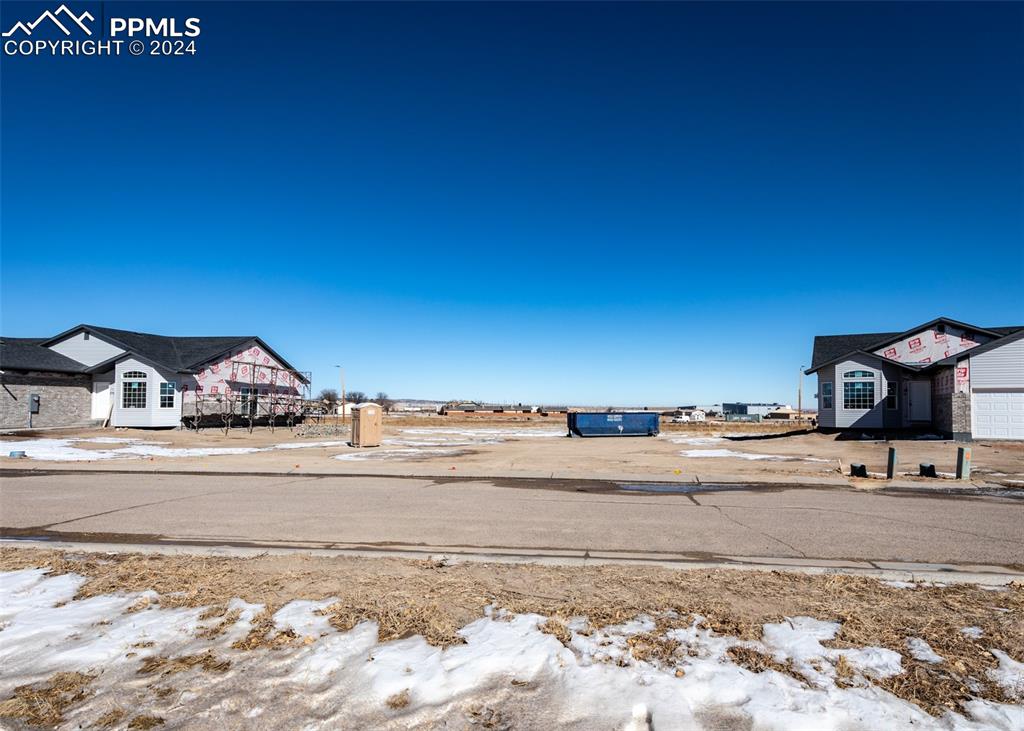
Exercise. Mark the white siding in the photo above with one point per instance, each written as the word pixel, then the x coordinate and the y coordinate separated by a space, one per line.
pixel 152 414
pixel 827 417
pixel 89 351
pixel 873 418
pixel 1001 368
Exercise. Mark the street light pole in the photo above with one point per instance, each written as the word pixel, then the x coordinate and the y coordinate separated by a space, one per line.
pixel 341 378
pixel 800 396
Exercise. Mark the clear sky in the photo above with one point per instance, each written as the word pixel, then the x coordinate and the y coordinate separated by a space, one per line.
pixel 566 203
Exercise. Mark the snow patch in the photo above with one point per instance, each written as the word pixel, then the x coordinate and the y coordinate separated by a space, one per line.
pixel 1009 675
pixel 394 454
pixel 702 453
pixel 304 445
pixel 921 650
pixel 900 584
pixel 697 440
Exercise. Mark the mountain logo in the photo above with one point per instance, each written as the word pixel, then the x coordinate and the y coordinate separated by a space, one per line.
pixel 56 16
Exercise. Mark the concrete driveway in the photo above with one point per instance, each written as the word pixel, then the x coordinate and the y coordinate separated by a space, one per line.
pixel 548 518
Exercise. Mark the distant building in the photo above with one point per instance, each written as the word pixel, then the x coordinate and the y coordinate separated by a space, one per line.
pixel 749 409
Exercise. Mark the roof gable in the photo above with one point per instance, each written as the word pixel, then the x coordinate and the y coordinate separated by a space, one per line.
pixel 933 344
pixel 177 353
pixel 29 354
pixel 830 348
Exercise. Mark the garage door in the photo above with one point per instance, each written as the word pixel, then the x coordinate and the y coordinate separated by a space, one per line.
pixel 998 415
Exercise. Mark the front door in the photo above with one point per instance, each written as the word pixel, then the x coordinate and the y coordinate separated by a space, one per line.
pixel 101 399
pixel 920 401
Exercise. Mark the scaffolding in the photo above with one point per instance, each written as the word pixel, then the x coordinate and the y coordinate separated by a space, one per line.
pixel 255 395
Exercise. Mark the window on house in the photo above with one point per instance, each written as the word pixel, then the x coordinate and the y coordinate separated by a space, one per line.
pixel 85 336
pixel 891 399
pixel 248 400
pixel 859 395
pixel 133 390
pixel 826 395
pixel 859 374
pixel 167 395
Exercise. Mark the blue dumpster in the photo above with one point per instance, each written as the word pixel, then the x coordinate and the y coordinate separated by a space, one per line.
pixel 601 424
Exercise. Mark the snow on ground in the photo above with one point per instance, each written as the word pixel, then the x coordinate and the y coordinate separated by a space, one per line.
pixel 62 450
pixel 449 438
pixel 701 453
pixel 373 455
pixel 329 679
pixel 55 450
pixel 304 445
pixel 922 651
pixel 1009 674
pixel 900 584
pixel 418 442
pixel 697 440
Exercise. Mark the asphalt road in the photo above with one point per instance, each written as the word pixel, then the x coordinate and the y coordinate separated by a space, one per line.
pixel 792 523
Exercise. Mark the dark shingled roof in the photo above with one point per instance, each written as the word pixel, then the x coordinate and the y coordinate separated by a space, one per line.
pixel 26 354
pixel 178 353
pixel 175 353
pixel 828 348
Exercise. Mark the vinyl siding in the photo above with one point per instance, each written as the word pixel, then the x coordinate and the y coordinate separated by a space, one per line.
pixel 878 416
pixel 827 417
pixel 90 352
pixel 152 414
pixel 999 368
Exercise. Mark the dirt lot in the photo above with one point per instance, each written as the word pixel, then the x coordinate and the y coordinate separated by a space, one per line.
pixel 478 446
pixel 435 600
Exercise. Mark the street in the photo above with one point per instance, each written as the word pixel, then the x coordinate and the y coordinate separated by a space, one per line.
pixel 515 515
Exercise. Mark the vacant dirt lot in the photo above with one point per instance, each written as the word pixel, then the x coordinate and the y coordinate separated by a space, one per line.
pixel 533 448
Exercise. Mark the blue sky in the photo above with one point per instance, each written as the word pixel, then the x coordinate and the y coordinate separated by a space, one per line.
pixel 566 203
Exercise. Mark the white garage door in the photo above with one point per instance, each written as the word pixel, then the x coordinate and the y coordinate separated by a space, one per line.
pixel 998 415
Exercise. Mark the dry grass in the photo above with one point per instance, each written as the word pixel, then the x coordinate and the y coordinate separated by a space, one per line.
pixel 141 723
pixel 43 704
pixel 944 686
pixel 558 629
pixel 396 620
pixel 264 634
pixel 111 718
pixel 758 662
pixel 435 600
pixel 170 665
pixel 844 672
pixel 653 646
pixel 398 700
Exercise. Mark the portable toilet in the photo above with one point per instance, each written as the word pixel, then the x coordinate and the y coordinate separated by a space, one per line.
pixel 366 425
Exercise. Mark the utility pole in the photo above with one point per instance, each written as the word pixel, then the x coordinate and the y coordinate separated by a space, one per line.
pixel 800 396
pixel 341 378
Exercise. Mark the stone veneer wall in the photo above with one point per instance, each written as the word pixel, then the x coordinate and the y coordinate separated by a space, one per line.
pixel 961 406
pixel 64 399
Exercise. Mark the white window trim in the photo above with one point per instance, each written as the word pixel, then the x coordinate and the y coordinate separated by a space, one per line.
pixel 858 375
pixel 873 394
pixel 831 395
pixel 135 377
pixel 161 395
